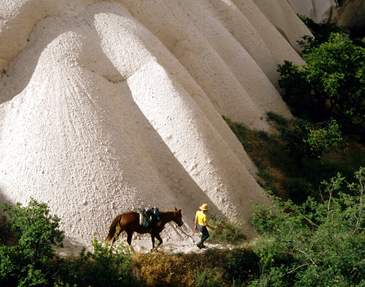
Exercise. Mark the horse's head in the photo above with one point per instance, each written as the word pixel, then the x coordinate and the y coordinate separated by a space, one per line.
pixel 178 217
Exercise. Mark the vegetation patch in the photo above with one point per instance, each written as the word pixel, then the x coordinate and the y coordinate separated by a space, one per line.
pixel 32 260
pixel 225 230
pixel 317 243
pixel 215 267
pixel 293 161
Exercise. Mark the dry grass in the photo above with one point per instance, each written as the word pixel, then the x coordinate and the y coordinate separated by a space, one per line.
pixel 161 269
pixel 214 267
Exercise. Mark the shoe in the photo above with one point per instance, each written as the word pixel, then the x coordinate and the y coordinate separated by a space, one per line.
pixel 203 246
pixel 199 245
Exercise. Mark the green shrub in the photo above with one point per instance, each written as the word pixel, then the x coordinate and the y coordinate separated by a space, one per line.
pixel 33 261
pixel 209 277
pixel 241 132
pixel 331 84
pixel 279 119
pixel 106 266
pixel 308 141
pixel 27 263
pixel 228 267
pixel 241 266
pixel 225 230
pixel 318 243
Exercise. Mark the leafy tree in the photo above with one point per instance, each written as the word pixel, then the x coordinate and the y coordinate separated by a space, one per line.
pixel 305 140
pixel 320 32
pixel 316 243
pixel 331 84
pixel 27 263
pixel 322 138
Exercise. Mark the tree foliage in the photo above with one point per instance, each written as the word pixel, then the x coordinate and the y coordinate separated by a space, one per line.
pixel 34 262
pixel 331 84
pixel 106 266
pixel 27 263
pixel 320 32
pixel 323 138
pixel 306 140
pixel 316 243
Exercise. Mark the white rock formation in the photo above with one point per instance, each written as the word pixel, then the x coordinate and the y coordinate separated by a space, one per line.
pixel 106 106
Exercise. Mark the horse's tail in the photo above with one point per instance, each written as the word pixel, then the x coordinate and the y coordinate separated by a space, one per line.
pixel 113 227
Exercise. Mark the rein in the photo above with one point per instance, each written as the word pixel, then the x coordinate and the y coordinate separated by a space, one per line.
pixel 181 230
pixel 185 232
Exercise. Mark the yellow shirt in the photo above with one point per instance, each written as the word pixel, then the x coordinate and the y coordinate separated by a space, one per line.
pixel 202 217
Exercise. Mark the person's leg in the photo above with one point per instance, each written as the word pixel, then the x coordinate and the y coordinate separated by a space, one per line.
pixel 205 235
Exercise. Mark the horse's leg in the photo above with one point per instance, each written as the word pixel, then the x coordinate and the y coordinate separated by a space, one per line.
pixel 119 230
pixel 159 239
pixel 129 239
pixel 153 240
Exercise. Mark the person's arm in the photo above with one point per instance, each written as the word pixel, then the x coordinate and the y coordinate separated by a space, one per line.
pixel 207 225
pixel 196 222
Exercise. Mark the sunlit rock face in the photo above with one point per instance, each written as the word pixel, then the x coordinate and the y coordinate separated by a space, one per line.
pixel 107 106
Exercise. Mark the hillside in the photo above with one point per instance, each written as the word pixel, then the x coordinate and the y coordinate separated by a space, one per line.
pixel 107 106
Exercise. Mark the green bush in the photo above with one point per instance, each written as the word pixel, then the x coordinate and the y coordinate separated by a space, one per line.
pixel 209 277
pixel 27 263
pixel 318 243
pixel 106 266
pixel 306 140
pixel 225 230
pixel 229 267
pixel 331 84
pixel 241 265
pixel 33 261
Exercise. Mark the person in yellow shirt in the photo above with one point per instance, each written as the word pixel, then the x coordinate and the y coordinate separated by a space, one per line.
pixel 201 224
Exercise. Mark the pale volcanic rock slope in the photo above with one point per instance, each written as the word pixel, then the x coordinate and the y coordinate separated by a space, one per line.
pixel 109 106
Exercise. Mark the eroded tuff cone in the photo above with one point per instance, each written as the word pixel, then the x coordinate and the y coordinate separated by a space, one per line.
pixel 109 106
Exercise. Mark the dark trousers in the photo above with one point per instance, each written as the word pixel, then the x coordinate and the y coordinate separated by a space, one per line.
pixel 205 233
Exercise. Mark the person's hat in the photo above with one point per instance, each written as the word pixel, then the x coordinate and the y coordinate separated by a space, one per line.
pixel 203 206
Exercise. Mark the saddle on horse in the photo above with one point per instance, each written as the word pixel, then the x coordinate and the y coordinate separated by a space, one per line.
pixel 150 217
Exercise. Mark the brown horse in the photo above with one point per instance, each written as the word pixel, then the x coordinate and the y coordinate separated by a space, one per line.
pixel 130 223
